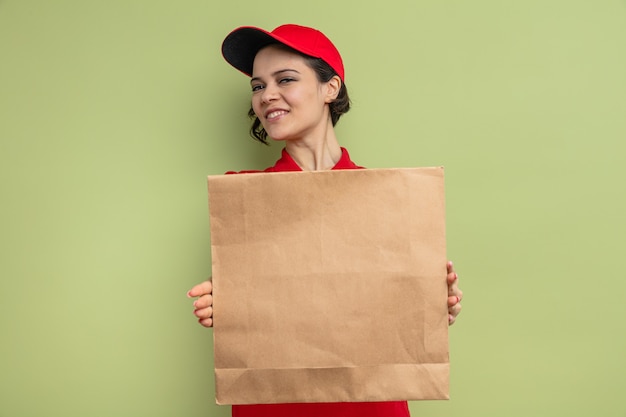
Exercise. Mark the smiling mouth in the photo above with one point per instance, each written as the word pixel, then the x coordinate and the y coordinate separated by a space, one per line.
pixel 275 114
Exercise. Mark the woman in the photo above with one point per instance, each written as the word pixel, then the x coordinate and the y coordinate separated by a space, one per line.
pixel 298 95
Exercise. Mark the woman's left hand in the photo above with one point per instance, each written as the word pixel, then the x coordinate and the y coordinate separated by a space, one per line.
pixel 455 295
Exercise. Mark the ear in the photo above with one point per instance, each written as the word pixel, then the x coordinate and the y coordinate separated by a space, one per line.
pixel 332 89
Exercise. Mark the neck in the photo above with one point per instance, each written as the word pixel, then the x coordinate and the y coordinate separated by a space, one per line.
pixel 315 154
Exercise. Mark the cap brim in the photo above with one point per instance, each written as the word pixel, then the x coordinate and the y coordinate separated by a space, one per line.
pixel 242 44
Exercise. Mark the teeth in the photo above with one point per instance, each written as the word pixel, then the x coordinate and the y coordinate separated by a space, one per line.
pixel 275 114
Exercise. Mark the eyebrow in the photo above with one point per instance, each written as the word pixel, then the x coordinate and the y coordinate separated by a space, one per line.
pixel 274 74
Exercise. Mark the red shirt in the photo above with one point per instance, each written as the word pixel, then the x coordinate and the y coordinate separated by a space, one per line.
pixel 286 163
pixel 368 409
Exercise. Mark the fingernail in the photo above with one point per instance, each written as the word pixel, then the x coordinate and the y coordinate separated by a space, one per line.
pixel 458 299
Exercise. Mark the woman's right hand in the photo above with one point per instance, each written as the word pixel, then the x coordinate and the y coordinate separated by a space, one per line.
pixel 203 305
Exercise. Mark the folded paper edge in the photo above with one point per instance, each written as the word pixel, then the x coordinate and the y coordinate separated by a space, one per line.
pixel 356 384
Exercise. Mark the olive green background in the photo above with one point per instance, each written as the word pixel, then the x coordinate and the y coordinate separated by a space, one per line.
pixel 113 113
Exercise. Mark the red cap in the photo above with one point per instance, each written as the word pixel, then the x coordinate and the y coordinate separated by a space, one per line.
pixel 242 44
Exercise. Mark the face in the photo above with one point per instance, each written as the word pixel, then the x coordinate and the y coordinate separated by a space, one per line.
pixel 287 97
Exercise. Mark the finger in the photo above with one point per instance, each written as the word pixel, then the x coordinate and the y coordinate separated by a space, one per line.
pixel 204 301
pixel 206 322
pixel 203 288
pixel 452 277
pixel 453 289
pixel 453 300
pixel 450 267
pixel 204 313
pixel 451 319
pixel 454 310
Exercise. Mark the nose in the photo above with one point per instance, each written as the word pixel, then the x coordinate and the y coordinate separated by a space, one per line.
pixel 270 93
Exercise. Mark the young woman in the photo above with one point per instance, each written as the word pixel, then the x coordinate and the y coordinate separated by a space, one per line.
pixel 298 95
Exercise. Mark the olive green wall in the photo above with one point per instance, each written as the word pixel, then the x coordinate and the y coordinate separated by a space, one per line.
pixel 113 113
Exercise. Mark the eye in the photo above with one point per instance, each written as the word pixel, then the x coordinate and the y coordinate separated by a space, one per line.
pixel 286 80
pixel 257 87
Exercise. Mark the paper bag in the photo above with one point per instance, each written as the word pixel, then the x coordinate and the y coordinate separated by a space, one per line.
pixel 329 286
